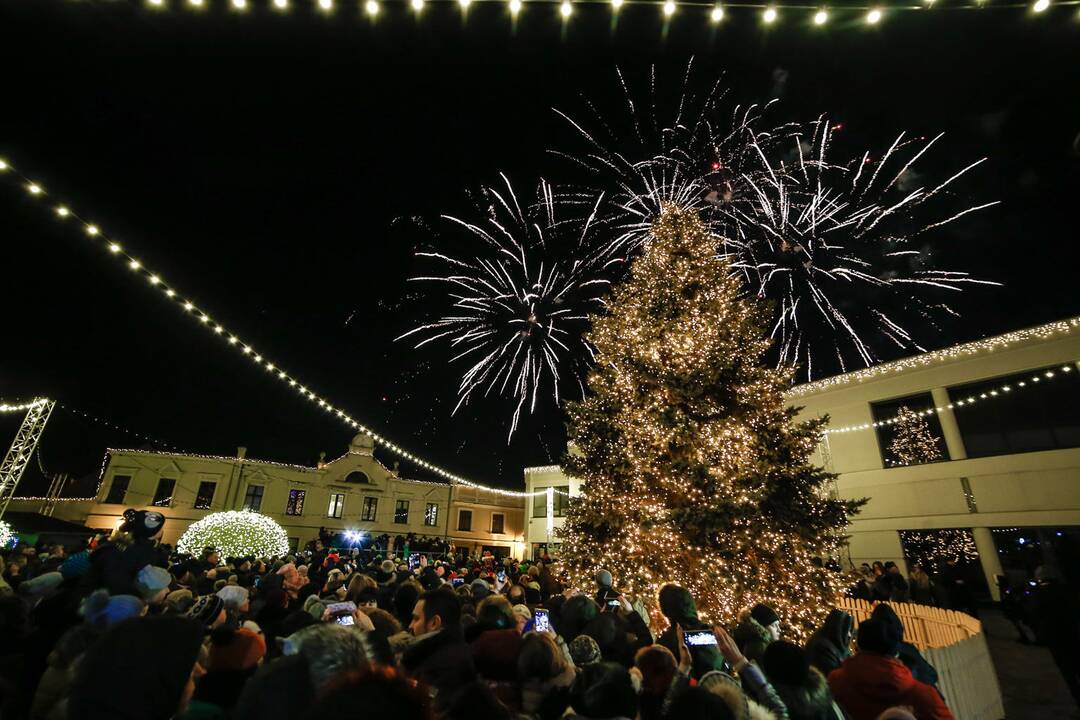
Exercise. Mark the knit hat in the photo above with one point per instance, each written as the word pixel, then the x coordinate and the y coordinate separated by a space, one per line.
pixel 785 663
pixel 233 596
pixel 764 614
pixel 314 607
pixel 180 600
pixel 329 649
pixel 387 566
pixel 522 612
pixel 136 671
pixel 76 565
pixel 584 651
pixel 234 649
pixel 142 523
pixel 151 580
pixel 480 588
pixel 42 585
pixel 603 578
pixel 206 610
pixel 101 610
pixel 875 635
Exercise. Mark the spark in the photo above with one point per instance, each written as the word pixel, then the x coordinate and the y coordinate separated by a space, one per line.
pixel 518 307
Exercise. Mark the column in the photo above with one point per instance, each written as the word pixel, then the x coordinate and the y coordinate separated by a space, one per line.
pixel 953 441
pixel 988 558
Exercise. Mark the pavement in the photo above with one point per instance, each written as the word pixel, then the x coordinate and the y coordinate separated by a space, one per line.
pixel 1031 686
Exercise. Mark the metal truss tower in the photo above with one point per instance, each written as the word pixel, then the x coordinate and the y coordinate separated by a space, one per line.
pixel 22 449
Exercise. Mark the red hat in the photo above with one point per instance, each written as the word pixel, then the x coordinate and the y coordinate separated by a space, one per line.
pixel 235 649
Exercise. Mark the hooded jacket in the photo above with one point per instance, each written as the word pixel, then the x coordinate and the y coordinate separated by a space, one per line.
pixel 866 684
pixel 678 606
pixel 831 644
pixel 751 637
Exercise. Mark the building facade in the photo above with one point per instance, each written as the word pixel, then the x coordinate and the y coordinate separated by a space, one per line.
pixel 353 492
pixel 1001 418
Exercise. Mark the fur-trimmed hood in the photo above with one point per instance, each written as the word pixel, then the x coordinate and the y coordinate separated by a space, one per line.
pixel 810 700
pixel 751 636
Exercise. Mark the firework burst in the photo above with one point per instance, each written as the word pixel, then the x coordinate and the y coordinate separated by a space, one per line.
pixel 837 247
pixel 519 307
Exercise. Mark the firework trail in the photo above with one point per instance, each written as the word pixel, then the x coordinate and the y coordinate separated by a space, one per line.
pixel 519 308
pixel 837 248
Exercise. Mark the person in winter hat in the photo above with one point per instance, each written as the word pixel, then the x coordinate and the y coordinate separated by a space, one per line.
pixel 329 649
pixel 920 669
pixel 677 605
pixel 604 583
pixel 141 669
pixel 153 584
pixel 102 611
pixel 208 611
pixel 874 680
pixel 830 644
pixel 237 599
pixel 232 658
pixel 756 629
pixel 76 565
pixel 584 651
pixel 143 524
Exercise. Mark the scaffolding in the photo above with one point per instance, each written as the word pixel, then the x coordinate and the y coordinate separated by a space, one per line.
pixel 22 449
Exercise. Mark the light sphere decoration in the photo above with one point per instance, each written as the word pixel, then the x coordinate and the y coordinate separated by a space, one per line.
pixel 6 533
pixel 235 534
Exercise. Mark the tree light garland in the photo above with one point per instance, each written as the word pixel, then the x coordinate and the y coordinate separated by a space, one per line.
pixel 236 533
pixel 6 534
pixel 114 249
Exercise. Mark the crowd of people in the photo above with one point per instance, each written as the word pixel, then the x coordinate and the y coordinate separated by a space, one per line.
pixel 127 629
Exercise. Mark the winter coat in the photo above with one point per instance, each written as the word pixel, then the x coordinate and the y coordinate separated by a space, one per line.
pixel 830 645
pixel 53 687
pixel 867 684
pixel 678 607
pixel 751 637
pixel 442 661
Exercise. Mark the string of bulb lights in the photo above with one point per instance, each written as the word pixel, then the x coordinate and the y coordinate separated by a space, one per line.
pixel 1001 391
pixel 768 13
pixel 93 231
pixel 21 407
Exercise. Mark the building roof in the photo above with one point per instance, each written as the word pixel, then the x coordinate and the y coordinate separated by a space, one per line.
pixel 1027 336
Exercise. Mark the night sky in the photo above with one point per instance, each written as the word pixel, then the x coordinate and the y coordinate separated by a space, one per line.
pixel 272 167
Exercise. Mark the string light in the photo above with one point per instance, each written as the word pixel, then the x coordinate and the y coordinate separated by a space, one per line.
pixel 239 4
pixel 821 17
pixel 22 407
pixel 417 5
pixel 236 533
pixel 566 9
pixel 616 4
pixel 281 4
pixel 1040 5
pixel 326 5
pixel 874 16
pixel 769 15
pixel 717 14
pixel 205 319
pixel 515 7
pixel 669 8
pixel 1000 391
pixel 464 4
pixel 955 352
pixel 6 534
pixel 372 7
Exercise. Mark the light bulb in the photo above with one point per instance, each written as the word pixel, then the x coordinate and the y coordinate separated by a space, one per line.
pixel 769 15
pixel 62 211
pixel 417 5
pixel 372 8
pixel 135 264
pixel 1040 5
pixel 92 230
pixel 326 5
pixel 3 165
pixel 616 4
pixel 281 4
pixel 820 17
pixel 565 9
pixel 669 8
pixel 239 4
pixel 34 188
pixel 196 3
pixel 717 14
pixel 515 7
pixel 873 17
pixel 114 248
pixel 463 3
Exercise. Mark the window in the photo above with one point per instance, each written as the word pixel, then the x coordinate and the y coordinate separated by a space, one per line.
pixel 295 505
pixel 497 521
pixel 431 514
pixel 253 497
pixel 118 489
pixel 401 512
pixel 916 440
pixel 163 494
pixel 205 497
pixel 358 477
pixel 559 502
pixel 371 507
pixel 464 520
pixel 1030 416
pixel 337 505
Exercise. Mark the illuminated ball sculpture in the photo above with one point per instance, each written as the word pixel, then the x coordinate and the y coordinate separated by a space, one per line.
pixel 6 534
pixel 235 534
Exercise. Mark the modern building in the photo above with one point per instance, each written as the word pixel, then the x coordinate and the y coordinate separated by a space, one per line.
pixel 352 492
pixel 1004 416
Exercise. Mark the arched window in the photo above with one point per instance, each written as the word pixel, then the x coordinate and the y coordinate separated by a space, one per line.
pixel 358 477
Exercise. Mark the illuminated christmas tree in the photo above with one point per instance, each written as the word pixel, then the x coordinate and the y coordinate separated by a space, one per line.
pixel 913 443
pixel 694 469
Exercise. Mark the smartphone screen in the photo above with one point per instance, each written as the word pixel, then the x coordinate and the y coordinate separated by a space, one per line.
pixel 697 638
pixel 457 581
pixel 345 620
pixel 501 576
pixel 541 623
pixel 612 604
